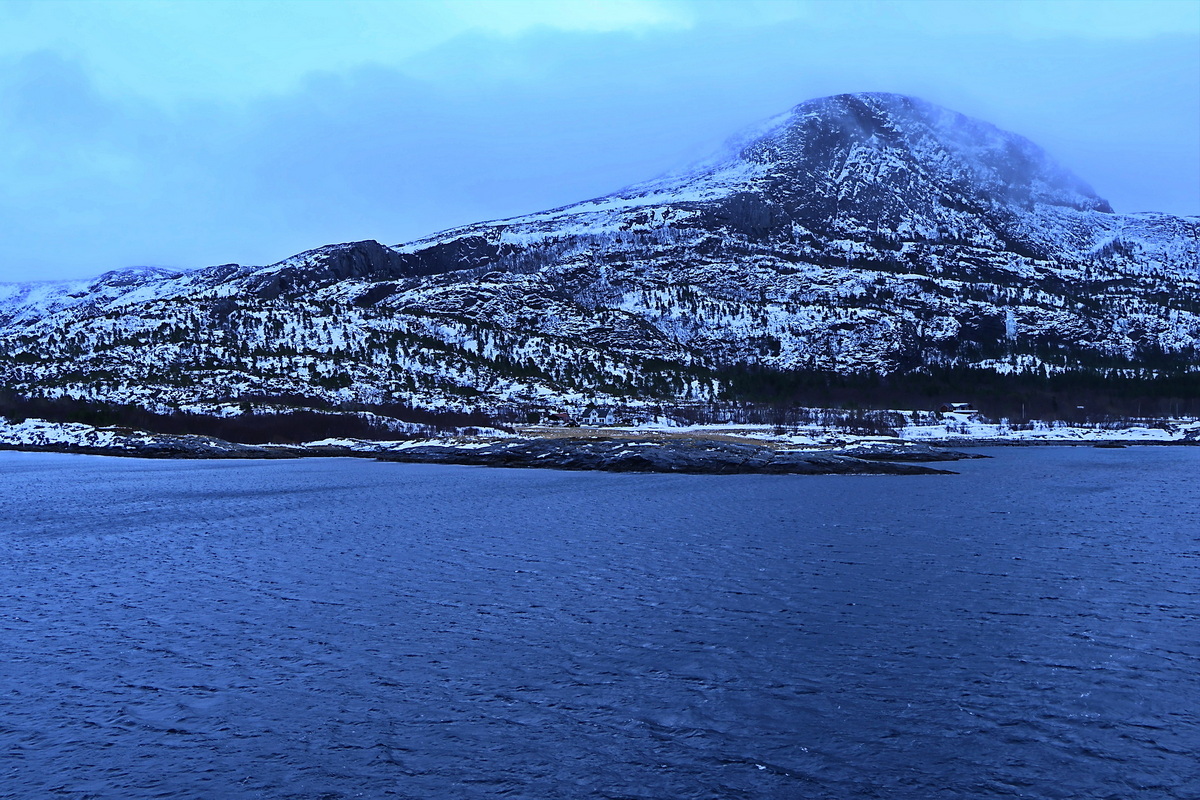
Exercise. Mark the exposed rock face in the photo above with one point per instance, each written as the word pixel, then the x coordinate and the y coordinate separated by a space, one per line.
pixel 368 262
pixel 358 261
pixel 866 232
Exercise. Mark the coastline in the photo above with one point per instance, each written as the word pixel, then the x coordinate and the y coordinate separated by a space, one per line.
pixel 612 451
pixel 709 450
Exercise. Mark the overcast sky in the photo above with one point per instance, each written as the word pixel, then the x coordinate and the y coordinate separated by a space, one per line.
pixel 187 134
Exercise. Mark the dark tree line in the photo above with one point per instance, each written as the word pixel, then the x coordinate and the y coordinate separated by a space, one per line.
pixel 1083 396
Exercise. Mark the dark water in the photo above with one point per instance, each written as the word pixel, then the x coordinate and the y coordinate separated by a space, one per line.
pixel 342 629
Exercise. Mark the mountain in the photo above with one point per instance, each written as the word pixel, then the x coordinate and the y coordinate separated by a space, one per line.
pixel 856 235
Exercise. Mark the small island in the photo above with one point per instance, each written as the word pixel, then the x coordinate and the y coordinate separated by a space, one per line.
pixel 687 451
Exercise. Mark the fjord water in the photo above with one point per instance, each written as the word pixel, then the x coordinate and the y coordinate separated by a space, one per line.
pixel 344 628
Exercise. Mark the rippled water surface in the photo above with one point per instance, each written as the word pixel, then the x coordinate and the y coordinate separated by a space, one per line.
pixel 342 628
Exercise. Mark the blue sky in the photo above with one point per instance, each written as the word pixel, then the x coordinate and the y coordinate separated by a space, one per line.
pixel 193 133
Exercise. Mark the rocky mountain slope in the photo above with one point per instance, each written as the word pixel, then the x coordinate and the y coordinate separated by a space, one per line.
pixel 857 233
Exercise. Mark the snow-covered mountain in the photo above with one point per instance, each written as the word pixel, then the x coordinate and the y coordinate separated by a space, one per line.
pixel 866 232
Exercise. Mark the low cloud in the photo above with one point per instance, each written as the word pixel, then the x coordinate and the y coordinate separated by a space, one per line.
pixel 489 125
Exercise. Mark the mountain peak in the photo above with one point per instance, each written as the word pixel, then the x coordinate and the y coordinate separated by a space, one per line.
pixel 841 167
pixel 889 139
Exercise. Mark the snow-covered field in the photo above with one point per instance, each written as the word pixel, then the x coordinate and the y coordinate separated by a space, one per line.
pixel 36 434
pixel 39 433
pixel 1037 432
pixel 964 433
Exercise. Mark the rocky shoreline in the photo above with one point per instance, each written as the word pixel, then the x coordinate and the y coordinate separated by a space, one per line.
pixel 690 452
pixel 689 456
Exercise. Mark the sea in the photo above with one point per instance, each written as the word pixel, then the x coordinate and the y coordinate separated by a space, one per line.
pixel 322 629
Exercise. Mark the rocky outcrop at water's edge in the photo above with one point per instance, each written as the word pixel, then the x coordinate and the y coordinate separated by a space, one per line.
pixel 691 456
pixel 682 454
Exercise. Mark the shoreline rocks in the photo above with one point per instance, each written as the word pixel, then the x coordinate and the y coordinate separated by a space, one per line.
pixel 625 451
pixel 687 456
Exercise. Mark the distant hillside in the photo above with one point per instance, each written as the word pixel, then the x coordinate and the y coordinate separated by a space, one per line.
pixel 866 246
